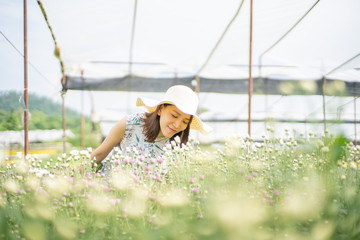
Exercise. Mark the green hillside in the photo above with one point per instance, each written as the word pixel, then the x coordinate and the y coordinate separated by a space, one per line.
pixel 44 114
pixel 11 100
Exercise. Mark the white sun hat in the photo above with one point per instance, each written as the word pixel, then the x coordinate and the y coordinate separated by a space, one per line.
pixel 184 99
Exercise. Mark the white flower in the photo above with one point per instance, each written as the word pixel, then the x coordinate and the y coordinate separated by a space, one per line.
pixel 11 186
pixel 74 152
pixel 325 149
pixel 177 139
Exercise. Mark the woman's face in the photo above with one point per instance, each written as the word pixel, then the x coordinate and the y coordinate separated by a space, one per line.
pixel 172 121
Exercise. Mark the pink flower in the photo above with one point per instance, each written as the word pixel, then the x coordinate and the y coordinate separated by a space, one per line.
pixel 160 160
pixel 248 177
pixel 117 162
pixel 115 201
pixel 195 190
pixel 192 180
pixel 200 215
pixel 276 192
pixel 201 176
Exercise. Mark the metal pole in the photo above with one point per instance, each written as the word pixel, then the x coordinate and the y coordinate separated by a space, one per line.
pixel 26 98
pixel 355 122
pixel 250 64
pixel 323 98
pixel 82 113
pixel 64 115
pixel 92 122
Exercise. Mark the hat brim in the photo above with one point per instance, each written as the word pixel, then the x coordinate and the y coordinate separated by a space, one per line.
pixel 151 105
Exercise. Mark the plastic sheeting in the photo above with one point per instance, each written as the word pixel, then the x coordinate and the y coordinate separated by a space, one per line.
pixel 173 39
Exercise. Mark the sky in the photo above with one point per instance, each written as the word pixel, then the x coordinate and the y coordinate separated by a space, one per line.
pixel 329 36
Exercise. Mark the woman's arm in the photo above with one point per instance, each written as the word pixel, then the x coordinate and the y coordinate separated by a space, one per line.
pixel 114 137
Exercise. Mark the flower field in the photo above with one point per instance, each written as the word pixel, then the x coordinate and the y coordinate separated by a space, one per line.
pixel 298 187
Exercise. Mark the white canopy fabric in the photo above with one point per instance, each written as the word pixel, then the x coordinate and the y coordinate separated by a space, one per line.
pixel 177 37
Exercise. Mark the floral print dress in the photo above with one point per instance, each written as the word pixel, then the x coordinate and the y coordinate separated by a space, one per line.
pixel 135 138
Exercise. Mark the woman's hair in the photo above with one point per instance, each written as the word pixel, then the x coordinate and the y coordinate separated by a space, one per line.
pixel 151 127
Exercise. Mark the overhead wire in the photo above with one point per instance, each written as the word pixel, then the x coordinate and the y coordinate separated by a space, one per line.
pixel 57 48
pixel 284 35
pixel 22 55
pixel 132 38
pixel 288 31
pixel 131 54
pixel 218 43
pixel 341 65
pixel 220 39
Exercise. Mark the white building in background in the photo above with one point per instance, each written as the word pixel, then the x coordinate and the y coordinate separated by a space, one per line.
pixel 42 143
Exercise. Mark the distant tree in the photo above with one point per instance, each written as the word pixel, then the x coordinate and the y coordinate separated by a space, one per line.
pixel 44 114
pixel 3 117
pixel 13 122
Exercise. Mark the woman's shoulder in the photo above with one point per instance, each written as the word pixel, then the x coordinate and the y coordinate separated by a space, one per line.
pixel 135 118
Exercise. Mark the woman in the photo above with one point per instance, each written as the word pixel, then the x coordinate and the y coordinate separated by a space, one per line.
pixel 149 132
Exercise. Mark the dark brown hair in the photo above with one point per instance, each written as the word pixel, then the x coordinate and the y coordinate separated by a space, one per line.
pixel 151 127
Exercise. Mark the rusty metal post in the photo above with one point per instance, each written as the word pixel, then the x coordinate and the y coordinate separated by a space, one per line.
pixel 82 112
pixel 26 98
pixel 63 114
pixel 323 98
pixel 250 89
pixel 355 122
